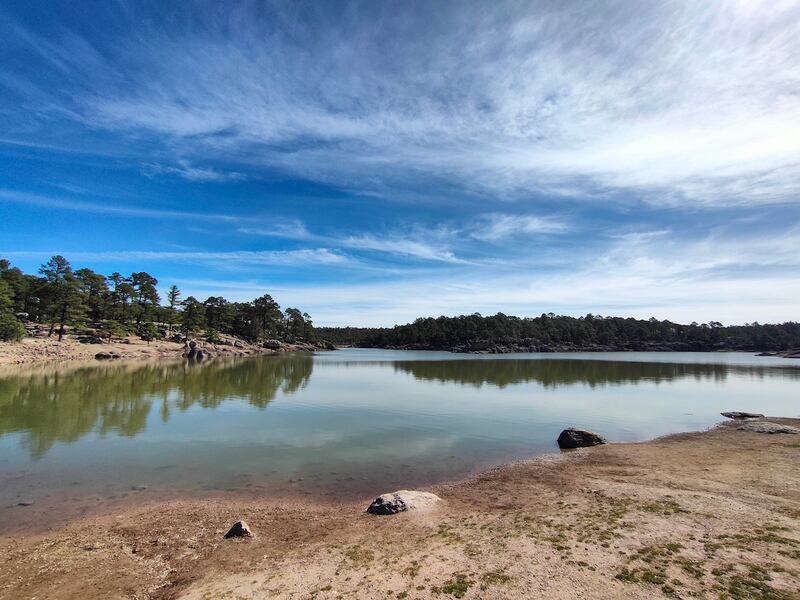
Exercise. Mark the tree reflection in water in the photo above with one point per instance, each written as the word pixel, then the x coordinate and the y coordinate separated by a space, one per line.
pixel 63 405
pixel 59 404
pixel 552 373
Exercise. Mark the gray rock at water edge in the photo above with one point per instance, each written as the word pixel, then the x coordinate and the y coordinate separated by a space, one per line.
pixel 579 438
pixel 239 529
pixel 196 353
pixel 25 503
pixel 103 356
pixel 735 414
pixel 401 501
pixel 767 427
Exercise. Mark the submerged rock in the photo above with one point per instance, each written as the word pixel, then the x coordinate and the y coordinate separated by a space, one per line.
pixel 579 438
pixel 239 529
pixel 735 414
pixel 767 427
pixel 401 501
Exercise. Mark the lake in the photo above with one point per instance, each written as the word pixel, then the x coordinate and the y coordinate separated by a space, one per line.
pixel 342 424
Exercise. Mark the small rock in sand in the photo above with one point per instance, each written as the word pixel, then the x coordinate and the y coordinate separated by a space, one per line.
pixel 139 488
pixel 735 414
pixel 400 501
pixel 239 529
pixel 25 503
pixel 767 427
pixel 579 438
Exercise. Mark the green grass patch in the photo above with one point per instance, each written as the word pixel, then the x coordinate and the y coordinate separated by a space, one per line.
pixel 457 587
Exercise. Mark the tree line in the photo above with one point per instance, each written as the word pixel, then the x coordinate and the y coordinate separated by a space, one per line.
pixel 550 332
pixel 117 305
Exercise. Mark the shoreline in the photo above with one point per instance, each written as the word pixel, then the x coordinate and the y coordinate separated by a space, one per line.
pixel 696 512
pixel 35 351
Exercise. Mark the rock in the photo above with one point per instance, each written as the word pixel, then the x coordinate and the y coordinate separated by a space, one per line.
pixel 272 344
pixel 103 356
pixel 25 503
pixel 767 427
pixel 239 529
pixel 139 488
pixel 400 501
pixel 579 438
pixel 735 414
pixel 191 353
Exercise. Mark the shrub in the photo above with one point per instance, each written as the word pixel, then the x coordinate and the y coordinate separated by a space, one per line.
pixel 11 330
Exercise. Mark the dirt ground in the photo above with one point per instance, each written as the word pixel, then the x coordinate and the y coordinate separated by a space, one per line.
pixel 714 514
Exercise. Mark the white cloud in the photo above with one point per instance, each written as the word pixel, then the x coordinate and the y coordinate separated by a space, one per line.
pixel 107 206
pixel 231 260
pixel 726 277
pixel 678 101
pixel 498 227
pixel 187 171
pixel 420 243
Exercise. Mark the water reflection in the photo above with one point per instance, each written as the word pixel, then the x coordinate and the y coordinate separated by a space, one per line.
pixel 56 405
pixel 62 406
pixel 558 372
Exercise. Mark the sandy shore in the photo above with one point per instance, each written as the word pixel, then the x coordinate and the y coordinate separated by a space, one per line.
pixel 35 351
pixel 710 514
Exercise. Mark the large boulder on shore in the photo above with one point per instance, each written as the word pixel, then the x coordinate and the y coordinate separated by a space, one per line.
pixel 579 438
pixel 738 415
pixel 401 501
pixel 767 427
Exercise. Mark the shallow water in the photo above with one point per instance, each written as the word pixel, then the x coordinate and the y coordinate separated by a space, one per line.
pixel 347 423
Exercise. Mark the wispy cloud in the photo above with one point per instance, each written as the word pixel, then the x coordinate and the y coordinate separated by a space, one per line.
pixel 419 243
pixel 497 227
pixel 406 247
pixel 725 276
pixel 185 170
pixel 680 101
pixel 233 259
pixel 107 206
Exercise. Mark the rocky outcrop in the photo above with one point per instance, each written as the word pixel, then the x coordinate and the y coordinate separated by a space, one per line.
pixel 579 438
pixel 239 529
pixel 768 427
pixel 735 414
pixel 401 501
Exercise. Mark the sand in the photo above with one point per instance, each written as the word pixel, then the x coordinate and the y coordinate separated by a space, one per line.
pixel 708 514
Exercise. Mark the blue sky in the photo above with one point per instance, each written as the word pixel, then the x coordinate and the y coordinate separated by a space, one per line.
pixel 374 162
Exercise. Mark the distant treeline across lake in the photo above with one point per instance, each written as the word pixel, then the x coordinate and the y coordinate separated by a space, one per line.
pixel 554 333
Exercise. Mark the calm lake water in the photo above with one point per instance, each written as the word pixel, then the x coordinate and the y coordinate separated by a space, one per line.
pixel 347 423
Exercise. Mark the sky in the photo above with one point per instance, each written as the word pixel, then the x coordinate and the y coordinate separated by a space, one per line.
pixel 374 162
